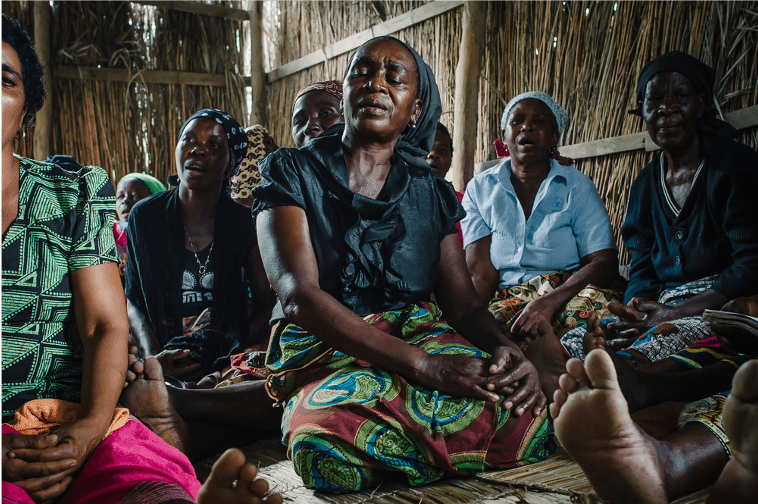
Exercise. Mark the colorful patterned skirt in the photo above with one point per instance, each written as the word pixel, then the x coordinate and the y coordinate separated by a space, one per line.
pixel 348 424
pixel 708 412
pixel 660 341
pixel 510 302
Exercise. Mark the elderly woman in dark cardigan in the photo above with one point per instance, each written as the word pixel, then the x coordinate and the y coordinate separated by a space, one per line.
pixel 691 224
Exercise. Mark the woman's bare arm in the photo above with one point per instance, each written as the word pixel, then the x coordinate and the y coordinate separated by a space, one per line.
pixel 483 274
pixel 287 252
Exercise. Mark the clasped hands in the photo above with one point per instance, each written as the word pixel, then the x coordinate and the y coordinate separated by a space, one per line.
pixel 44 465
pixel 635 318
pixel 507 373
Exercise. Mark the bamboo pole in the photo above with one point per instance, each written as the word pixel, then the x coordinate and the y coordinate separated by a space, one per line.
pixel 43 129
pixel 259 112
pixel 466 111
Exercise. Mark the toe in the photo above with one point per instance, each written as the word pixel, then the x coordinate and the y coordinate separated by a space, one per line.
pixel 600 370
pixel 575 369
pixel 227 468
pixel 745 382
pixel 153 369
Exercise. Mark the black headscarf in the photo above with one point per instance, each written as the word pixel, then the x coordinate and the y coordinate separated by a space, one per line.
pixel 702 78
pixel 415 143
pixel 235 134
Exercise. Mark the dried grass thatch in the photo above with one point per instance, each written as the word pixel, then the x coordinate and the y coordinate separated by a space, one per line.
pixel 127 127
pixel 587 55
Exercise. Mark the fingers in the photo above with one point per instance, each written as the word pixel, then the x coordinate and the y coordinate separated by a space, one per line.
pixel 52 492
pixel 22 470
pixel 518 324
pixel 16 441
pixel 63 451
pixel 524 399
pixel 540 406
pixel 521 369
pixel 500 360
pixel 174 355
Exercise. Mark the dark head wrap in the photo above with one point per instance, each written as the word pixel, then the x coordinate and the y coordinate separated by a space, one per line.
pixel 235 134
pixel 66 162
pixel 702 78
pixel 416 142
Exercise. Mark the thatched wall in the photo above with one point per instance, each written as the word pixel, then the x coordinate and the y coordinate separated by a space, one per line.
pixel 587 55
pixel 127 127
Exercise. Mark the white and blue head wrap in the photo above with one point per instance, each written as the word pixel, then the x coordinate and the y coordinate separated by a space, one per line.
pixel 559 112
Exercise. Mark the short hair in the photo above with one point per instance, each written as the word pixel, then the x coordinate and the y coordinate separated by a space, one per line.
pixel 31 68
pixel 441 127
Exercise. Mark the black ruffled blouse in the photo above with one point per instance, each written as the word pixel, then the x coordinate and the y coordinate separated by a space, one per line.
pixel 373 255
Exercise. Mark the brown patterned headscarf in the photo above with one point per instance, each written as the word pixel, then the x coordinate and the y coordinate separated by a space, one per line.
pixel 259 145
pixel 333 87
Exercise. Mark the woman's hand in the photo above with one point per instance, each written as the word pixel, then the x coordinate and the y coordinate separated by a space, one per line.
pixel 455 375
pixel 17 470
pixel 514 375
pixel 534 320
pixel 640 315
pixel 178 363
pixel 43 466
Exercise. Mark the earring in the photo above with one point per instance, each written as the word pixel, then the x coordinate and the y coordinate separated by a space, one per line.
pixel 22 134
pixel 412 123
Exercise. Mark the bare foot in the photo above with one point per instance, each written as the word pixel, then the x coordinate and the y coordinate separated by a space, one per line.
pixel 592 423
pixel 148 399
pixel 549 357
pixel 233 481
pixel 135 366
pixel 738 482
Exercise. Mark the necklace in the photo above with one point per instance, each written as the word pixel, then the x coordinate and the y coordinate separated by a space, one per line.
pixel 201 268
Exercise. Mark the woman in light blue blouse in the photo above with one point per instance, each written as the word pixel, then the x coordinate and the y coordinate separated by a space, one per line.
pixel 539 245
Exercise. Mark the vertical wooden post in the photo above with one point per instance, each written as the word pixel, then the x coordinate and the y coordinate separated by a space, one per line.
pixel 466 111
pixel 43 129
pixel 259 112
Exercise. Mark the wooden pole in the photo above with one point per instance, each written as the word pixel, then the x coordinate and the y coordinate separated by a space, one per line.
pixel 466 111
pixel 259 112
pixel 43 128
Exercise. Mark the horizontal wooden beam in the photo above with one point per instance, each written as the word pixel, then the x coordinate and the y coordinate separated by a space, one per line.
pixel 200 8
pixel 388 27
pixel 740 119
pixel 147 76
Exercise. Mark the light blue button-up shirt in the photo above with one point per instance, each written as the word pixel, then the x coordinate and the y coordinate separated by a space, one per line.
pixel 568 221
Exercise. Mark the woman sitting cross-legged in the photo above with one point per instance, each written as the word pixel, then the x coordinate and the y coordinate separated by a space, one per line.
pixel 691 225
pixel 193 260
pixel 65 334
pixel 356 234
pixel 538 241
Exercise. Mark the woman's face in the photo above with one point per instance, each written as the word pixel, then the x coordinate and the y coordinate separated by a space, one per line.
pixel 671 109
pixel 202 155
pixel 380 90
pixel 530 132
pixel 129 191
pixel 441 156
pixel 13 95
pixel 314 112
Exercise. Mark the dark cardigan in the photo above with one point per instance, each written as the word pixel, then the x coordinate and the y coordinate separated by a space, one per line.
pixel 716 232
pixel 154 266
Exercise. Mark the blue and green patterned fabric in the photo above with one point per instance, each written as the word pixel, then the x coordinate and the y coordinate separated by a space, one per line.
pixel 65 222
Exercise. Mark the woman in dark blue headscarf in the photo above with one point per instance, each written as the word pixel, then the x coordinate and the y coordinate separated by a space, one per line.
pixel 192 257
pixel 358 239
